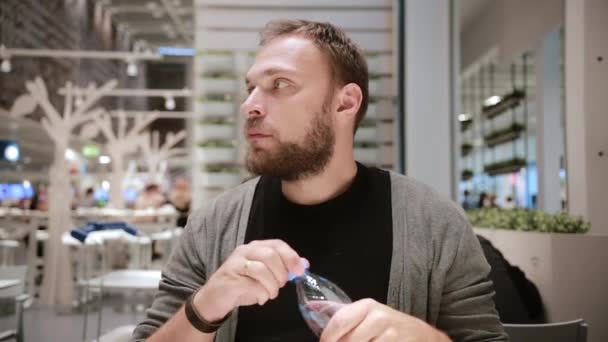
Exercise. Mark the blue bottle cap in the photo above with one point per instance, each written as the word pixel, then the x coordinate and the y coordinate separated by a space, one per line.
pixel 305 264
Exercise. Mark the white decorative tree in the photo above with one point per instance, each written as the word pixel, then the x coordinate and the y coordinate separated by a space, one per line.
pixel 157 156
pixel 56 286
pixel 120 143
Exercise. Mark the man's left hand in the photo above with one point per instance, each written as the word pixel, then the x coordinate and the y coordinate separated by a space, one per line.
pixel 368 320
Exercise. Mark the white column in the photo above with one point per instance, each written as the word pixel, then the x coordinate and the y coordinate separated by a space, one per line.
pixel 586 65
pixel 428 86
pixel 550 142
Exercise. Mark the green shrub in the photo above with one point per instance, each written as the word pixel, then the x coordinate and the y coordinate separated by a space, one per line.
pixel 527 220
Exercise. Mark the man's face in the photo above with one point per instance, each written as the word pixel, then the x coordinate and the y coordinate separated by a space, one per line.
pixel 289 119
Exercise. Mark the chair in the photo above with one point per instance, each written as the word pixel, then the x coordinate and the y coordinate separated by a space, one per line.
pixel 572 331
pixel 12 285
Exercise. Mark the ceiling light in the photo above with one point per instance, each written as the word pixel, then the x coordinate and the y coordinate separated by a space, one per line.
pixel 69 154
pixel 464 117
pixel 78 100
pixel 492 100
pixel 169 102
pixel 104 160
pixel 11 153
pixel 6 67
pixel 131 68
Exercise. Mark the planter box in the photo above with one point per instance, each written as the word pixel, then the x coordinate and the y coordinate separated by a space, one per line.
pixel 568 269
pixel 217 109
pixel 219 86
pixel 217 63
pixel 381 87
pixel 366 134
pixel 372 111
pixel 214 132
pixel 220 179
pixel 216 154
pixel 367 155
pixel 380 65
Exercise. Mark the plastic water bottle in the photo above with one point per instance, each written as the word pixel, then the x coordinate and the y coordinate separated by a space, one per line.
pixel 318 299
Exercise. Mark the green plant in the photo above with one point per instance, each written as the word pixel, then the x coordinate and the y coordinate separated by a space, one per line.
pixel 505 166
pixel 216 143
pixel 513 129
pixel 465 175
pixel 365 144
pixel 216 121
pixel 527 220
pixel 221 168
pixel 465 149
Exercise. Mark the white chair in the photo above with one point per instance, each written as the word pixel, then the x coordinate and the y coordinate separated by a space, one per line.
pixel 572 331
pixel 12 285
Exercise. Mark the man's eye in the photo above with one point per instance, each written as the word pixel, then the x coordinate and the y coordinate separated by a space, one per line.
pixel 280 84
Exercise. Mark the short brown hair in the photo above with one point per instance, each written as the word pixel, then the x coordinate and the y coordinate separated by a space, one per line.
pixel 345 59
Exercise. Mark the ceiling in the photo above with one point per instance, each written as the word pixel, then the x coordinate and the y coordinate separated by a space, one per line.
pixel 157 22
pixel 469 10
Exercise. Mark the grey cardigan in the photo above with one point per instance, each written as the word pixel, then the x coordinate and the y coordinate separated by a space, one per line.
pixel 438 271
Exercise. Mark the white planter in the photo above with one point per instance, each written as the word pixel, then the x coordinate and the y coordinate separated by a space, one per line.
pixel 366 134
pixel 220 179
pixel 366 155
pixel 216 154
pixel 381 64
pixel 214 132
pixel 219 86
pixel 372 111
pixel 381 87
pixel 568 269
pixel 217 109
pixel 217 63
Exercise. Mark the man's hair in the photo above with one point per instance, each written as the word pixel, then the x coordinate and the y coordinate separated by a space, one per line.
pixel 345 59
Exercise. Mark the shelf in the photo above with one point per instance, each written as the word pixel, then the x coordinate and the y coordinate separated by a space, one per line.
pixel 217 109
pixel 504 136
pixel 507 102
pixel 503 167
pixel 465 149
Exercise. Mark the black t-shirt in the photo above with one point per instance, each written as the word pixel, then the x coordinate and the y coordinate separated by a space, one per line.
pixel 347 240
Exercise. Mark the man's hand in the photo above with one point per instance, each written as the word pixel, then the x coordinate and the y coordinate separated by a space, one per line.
pixel 368 320
pixel 253 274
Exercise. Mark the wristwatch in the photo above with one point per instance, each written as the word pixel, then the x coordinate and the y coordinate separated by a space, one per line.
pixel 197 321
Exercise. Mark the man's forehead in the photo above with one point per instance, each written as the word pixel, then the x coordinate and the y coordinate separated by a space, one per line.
pixel 291 54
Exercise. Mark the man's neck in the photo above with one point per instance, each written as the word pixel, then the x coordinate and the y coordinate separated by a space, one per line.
pixel 329 183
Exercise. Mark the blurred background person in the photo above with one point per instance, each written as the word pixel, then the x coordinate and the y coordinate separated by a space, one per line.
pixel 181 197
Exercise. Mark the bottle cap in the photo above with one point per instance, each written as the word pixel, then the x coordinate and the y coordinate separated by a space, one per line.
pixel 305 264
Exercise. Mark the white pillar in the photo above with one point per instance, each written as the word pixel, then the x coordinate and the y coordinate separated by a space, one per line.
pixel 550 141
pixel 586 72
pixel 428 99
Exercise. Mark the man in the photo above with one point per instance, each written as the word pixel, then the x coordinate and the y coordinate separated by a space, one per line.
pixel 406 256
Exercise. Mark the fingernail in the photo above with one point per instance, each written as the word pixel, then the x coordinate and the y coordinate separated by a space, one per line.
pixel 305 264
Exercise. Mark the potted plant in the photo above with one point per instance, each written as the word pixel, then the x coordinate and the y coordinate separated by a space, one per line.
pixel 506 166
pixel 217 128
pixel 220 176
pixel 465 149
pixel 527 220
pixel 507 134
pixel 466 175
pixel 366 152
pixel 506 102
pixel 217 151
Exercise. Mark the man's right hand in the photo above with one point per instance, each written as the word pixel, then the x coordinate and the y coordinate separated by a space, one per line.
pixel 252 274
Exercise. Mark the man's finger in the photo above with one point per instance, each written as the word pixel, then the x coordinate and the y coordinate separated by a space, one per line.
pixel 345 320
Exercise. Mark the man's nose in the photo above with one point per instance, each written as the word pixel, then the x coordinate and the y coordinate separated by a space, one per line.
pixel 253 105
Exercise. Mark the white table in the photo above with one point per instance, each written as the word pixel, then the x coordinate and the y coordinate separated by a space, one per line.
pixel 8 283
pixel 126 280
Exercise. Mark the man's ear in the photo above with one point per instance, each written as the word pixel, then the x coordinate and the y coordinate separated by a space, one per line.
pixel 349 100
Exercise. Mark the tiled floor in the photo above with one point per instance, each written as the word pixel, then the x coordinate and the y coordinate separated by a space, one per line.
pixel 44 324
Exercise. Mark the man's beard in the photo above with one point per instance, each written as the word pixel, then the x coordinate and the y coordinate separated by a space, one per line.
pixel 295 161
